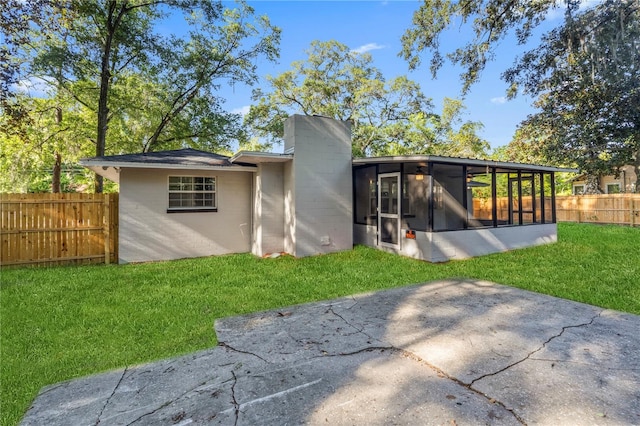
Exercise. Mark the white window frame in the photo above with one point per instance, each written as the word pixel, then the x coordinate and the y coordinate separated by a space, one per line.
pixel 612 184
pixel 202 193
pixel 582 185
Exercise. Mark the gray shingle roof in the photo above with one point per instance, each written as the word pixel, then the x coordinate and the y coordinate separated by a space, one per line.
pixel 181 157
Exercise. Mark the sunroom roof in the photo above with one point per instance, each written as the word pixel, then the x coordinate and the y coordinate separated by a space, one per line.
pixel 459 161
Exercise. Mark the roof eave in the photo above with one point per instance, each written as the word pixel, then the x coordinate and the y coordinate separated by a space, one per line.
pixel 462 161
pixel 257 157
pixel 111 173
pixel 89 163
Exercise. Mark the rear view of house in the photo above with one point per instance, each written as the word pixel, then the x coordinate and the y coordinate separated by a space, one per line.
pixel 314 198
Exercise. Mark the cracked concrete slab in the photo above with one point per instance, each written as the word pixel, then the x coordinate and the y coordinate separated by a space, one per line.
pixel 450 352
pixel 591 374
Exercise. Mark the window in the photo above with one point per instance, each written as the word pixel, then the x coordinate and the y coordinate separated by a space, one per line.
pixel 365 196
pixel 192 193
pixel 613 188
pixel 449 189
pixel 578 189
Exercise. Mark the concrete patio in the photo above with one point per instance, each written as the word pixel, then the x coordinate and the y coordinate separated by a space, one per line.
pixel 451 352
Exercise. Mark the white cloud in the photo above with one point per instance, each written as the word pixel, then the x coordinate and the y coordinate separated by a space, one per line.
pixel 243 110
pixel 558 12
pixel 499 100
pixel 35 86
pixel 368 47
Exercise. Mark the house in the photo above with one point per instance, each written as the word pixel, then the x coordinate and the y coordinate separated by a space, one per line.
pixel 314 198
pixel 610 184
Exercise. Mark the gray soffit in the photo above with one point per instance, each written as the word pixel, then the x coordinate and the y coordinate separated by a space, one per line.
pixel 255 157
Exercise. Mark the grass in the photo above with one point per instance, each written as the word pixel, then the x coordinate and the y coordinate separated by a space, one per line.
pixel 64 322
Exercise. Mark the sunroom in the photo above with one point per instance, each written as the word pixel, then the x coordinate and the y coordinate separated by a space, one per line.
pixel 440 208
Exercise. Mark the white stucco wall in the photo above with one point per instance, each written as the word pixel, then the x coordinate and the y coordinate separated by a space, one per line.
pixel 268 226
pixel 318 186
pixel 147 232
pixel 443 246
pixel 289 208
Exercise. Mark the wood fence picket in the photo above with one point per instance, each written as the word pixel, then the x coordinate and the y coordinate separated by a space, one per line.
pixel 57 229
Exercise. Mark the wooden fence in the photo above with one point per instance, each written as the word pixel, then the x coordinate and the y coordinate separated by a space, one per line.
pixel 57 229
pixel 621 209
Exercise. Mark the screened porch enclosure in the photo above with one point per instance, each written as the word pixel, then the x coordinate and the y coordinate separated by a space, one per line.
pixel 397 200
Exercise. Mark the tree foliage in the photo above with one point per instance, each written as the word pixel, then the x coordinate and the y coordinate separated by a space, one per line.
pixel 145 89
pixel 388 117
pixel 490 22
pixel 56 137
pixel 586 77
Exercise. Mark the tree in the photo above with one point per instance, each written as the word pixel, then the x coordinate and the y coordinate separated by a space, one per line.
pixel 17 20
pixel 490 20
pixel 388 117
pixel 53 139
pixel 586 77
pixel 339 83
pixel 105 46
pixel 450 135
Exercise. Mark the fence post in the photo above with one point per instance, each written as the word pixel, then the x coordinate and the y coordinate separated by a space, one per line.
pixel 632 212
pixel 107 228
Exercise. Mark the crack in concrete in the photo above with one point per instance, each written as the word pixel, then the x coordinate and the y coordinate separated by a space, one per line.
pixel 225 345
pixel 113 392
pixel 166 404
pixel 233 399
pixel 392 349
pixel 439 372
pixel 459 382
pixel 358 329
pixel 177 398
pixel 530 354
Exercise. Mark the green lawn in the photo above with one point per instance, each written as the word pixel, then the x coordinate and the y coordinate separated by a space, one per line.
pixel 64 322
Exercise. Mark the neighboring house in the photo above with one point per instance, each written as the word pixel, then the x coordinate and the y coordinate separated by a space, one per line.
pixel 316 199
pixel 610 184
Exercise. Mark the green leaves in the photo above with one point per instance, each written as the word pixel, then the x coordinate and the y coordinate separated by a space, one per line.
pixel 388 116
pixel 586 78
pixel 136 86
pixel 489 20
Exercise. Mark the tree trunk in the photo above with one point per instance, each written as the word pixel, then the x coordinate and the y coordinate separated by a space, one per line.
pixel 636 168
pixel 592 186
pixel 57 168
pixel 103 109
pixel 57 165
pixel 113 20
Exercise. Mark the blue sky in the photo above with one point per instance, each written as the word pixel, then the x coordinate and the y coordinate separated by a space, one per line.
pixel 377 26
